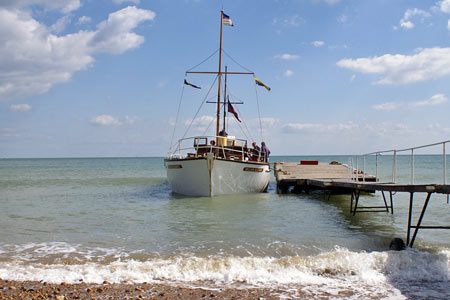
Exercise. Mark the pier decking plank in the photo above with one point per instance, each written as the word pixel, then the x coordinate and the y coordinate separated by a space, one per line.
pixel 292 172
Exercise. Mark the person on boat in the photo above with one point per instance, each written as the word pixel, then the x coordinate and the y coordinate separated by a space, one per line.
pixel 255 152
pixel 248 154
pixel 265 151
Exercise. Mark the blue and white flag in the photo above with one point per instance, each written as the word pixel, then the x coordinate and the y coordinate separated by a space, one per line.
pixel 226 20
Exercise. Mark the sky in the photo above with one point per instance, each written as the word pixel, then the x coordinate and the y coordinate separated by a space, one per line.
pixel 104 78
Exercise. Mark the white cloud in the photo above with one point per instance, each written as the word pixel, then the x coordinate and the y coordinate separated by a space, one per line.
pixel 427 64
pixel 318 43
pixel 268 121
pixel 105 120
pixel 33 59
pixel 124 1
pixel 200 121
pixel 342 19
pixel 288 73
pixel 434 100
pixel 318 127
pixel 342 46
pixel 406 22
pixel 130 120
pixel 65 6
pixel 388 106
pixel 448 25
pixel 291 21
pixel 296 127
pixel 330 2
pixel 84 20
pixel 20 107
pixel 445 6
pixel 9 132
pixel 60 24
pixel 387 129
pixel 287 56
pixel 114 35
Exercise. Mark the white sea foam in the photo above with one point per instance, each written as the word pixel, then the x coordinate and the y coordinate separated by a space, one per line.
pixel 60 250
pixel 374 273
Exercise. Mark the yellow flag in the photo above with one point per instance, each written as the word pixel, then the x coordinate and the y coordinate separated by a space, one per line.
pixel 260 83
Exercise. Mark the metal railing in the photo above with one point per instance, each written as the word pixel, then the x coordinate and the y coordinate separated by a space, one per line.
pixel 200 145
pixel 411 150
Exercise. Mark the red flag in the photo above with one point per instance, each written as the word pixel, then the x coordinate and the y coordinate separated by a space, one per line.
pixel 231 110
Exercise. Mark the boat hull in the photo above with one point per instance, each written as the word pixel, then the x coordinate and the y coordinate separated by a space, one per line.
pixel 208 176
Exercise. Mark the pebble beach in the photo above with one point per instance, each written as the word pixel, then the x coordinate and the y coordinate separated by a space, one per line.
pixel 43 290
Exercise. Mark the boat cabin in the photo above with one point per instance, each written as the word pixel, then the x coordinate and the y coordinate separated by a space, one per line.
pixel 227 147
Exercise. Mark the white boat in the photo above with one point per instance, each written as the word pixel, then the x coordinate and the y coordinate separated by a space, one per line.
pixel 217 164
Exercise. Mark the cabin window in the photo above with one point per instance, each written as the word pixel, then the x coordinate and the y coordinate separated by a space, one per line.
pixel 174 166
pixel 253 169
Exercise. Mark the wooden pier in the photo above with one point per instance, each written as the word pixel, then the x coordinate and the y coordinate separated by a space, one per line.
pixel 307 176
pixel 295 175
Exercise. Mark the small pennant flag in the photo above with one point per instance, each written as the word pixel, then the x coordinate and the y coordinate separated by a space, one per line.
pixel 260 83
pixel 226 20
pixel 190 84
pixel 231 110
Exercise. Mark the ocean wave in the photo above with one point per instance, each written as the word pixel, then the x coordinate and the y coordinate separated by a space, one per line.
pixel 337 270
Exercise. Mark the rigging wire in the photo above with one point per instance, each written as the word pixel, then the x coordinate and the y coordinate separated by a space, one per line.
pixel 206 98
pixel 203 102
pixel 176 119
pixel 207 128
pixel 245 124
pixel 259 114
pixel 203 61
pixel 229 56
pixel 243 120
pixel 256 92
pixel 240 127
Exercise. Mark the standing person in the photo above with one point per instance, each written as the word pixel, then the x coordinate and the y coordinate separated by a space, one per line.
pixel 265 151
pixel 255 152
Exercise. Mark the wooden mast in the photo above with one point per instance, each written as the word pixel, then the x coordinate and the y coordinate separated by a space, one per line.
pixel 225 100
pixel 219 74
pixel 220 78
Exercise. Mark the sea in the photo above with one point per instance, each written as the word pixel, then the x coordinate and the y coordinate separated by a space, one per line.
pixel 116 219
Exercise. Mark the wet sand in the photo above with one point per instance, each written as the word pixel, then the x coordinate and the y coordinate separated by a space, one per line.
pixel 43 290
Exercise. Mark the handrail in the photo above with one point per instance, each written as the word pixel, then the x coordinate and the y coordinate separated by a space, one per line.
pixel 412 154
pixel 239 150
pixel 177 145
pixel 408 149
